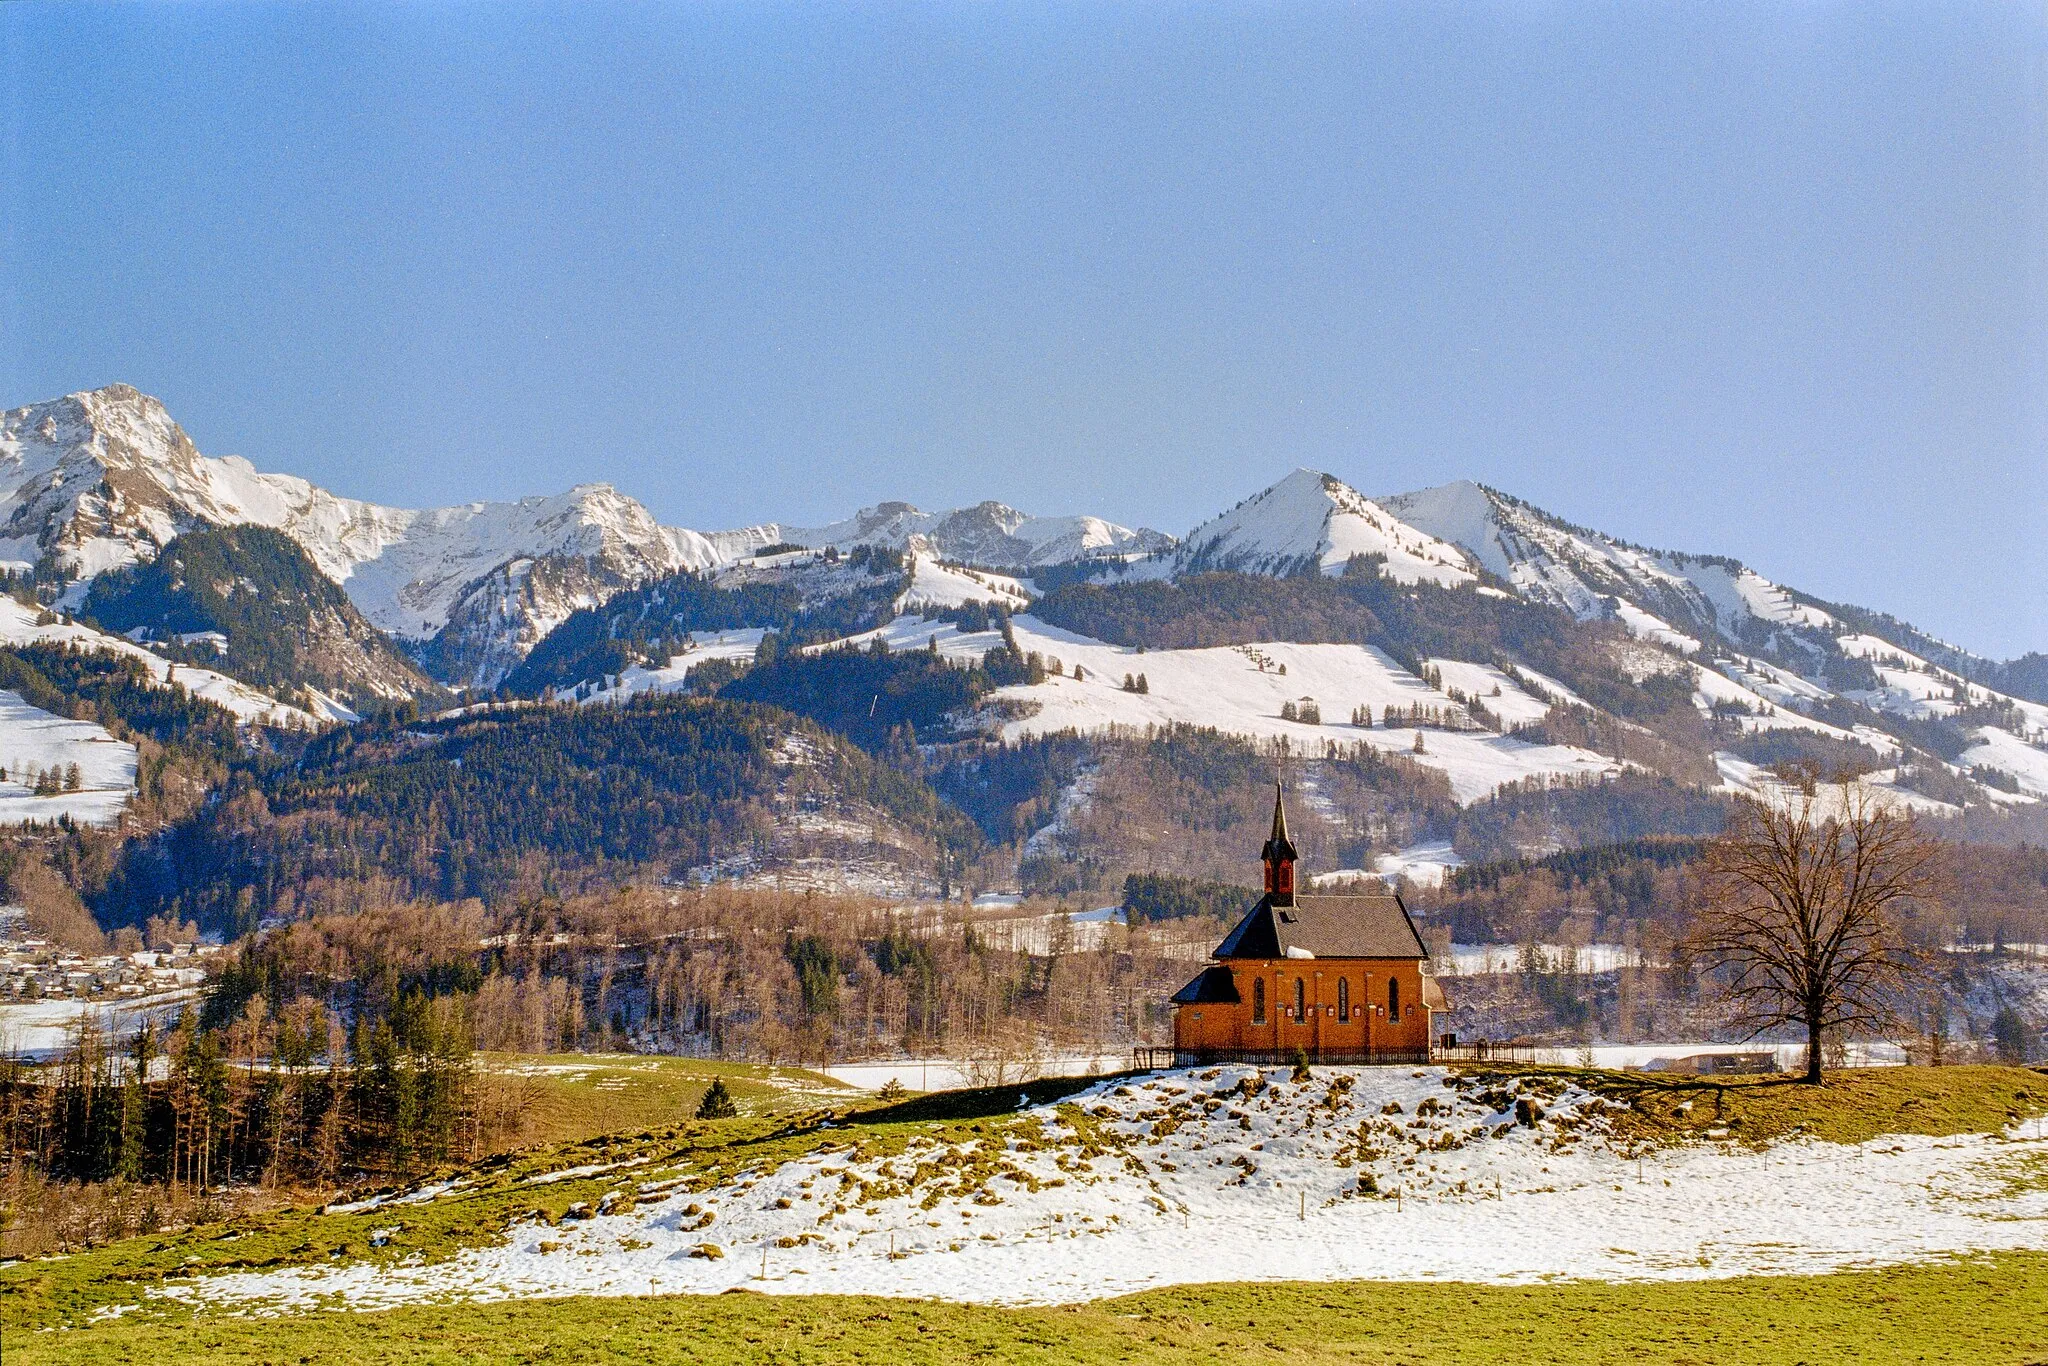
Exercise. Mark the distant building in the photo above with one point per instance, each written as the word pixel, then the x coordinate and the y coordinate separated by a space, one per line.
pixel 1337 978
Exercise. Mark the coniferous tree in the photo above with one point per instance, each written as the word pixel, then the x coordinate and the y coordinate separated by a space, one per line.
pixel 717 1102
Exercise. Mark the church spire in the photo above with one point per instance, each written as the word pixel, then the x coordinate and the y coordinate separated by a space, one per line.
pixel 1279 855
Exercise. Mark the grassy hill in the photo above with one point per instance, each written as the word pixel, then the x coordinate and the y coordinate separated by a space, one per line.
pixel 1983 1309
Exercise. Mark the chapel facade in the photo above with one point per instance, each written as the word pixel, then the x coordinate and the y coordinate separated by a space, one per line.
pixel 1338 978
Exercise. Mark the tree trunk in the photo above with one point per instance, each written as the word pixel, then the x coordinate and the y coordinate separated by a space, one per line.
pixel 1813 1050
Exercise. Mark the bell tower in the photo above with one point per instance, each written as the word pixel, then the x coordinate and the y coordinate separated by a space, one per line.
pixel 1278 855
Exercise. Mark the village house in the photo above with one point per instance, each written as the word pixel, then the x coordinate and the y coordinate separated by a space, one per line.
pixel 1335 978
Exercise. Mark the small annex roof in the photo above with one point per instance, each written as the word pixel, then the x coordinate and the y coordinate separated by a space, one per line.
pixel 1212 987
pixel 1325 927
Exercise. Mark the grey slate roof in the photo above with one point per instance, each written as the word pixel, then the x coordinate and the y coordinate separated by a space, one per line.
pixel 1325 927
pixel 1213 985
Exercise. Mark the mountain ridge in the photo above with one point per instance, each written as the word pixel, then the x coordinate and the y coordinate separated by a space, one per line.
pixel 104 478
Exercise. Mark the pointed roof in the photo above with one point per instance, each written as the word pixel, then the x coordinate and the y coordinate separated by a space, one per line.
pixel 1277 844
pixel 1325 927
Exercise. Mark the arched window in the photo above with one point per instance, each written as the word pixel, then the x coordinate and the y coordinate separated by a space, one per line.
pixel 1393 998
pixel 1343 998
pixel 1259 1000
pixel 1300 1000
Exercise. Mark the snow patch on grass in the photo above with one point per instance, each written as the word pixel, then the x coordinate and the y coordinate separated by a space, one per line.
pixel 1238 1173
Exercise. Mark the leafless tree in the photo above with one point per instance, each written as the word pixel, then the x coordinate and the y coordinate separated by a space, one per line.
pixel 1801 917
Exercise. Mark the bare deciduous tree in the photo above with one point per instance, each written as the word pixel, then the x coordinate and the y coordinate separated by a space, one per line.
pixel 1801 918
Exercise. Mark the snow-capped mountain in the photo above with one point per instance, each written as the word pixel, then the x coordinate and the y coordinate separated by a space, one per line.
pixel 1316 518
pixel 1662 594
pixel 1761 646
pixel 105 478
pixel 989 534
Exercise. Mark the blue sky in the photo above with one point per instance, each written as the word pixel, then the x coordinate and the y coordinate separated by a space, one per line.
pixel 1764 280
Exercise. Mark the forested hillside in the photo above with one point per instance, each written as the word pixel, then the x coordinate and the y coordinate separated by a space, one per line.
pixel 525 800
pixel 872 696
pixel 649 623
pixel 249 601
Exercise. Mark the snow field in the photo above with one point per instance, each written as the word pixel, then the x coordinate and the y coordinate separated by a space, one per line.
pixel 2006 752
pixel 937 585
pixel 1491 689
pixel 1475 959
pixel 1711 686
pixel 18 627
pixel 1643 626
pixel 1237 1174
pixel 32 740
pixel 673 676
pixel 1754 780
pixel 1426 865
pixel 1239 690
pixel 39 1031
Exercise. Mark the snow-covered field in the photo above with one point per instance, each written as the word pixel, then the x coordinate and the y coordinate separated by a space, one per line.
pixel 950 1074
pixel 937 585
pixel 1051 931
pixel 1425 865
pixel 673 676
pixel 1237 1173
pixel 1473 959
pixel 41 1030
pixel 32 741
pixel 1754 780
pixel 1240 690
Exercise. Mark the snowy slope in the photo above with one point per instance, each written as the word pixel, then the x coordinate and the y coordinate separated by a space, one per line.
pixel 674 675
pixel 1240 690
pixel 33 742
pixel 1312 518
pixel 1548 560
pixel 18 626
pixel 1226 1174
pixel 1752 780
pixel 1495 691
pixel 936 585
pixel 2006 753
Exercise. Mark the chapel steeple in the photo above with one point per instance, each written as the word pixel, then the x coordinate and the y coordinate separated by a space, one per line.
pixel 1278 855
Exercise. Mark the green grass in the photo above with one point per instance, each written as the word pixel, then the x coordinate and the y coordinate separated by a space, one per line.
pixel 1851 1106
pixel 569 1097
pixel 499 1191
pixel 1989 1310
pixel 1986 1309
